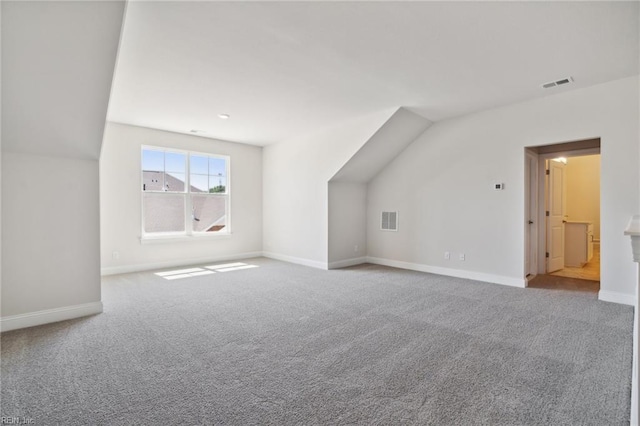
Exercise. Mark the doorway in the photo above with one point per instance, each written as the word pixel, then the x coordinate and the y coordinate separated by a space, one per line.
pixel 581 217
pixel 562 215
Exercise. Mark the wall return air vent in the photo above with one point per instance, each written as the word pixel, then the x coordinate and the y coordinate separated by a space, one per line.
pixel 389 221
pixel 560 82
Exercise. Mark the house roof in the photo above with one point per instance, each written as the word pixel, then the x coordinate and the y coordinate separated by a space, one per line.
pixel 283 69
pixel 166 214
pixel 161 181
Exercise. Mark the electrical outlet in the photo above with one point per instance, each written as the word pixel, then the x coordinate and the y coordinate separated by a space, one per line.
pixel 115 255
pixel 462 256
pixel 447 255
pixel 355 248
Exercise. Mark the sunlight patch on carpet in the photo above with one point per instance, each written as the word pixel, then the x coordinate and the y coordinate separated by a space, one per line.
pixel 177 274
pixel 228 267
pixel 236 268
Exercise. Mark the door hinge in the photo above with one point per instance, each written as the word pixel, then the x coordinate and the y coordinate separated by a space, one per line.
pixel 546 254
pixel 547 213
pixel 547 172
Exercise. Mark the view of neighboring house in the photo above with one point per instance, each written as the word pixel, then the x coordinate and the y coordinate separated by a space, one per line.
pixel 161 181
pixel 164 211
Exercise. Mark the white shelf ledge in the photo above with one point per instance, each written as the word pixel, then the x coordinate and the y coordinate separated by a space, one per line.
pixel 633 230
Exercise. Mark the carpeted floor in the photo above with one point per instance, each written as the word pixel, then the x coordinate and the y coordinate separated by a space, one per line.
pixel 283 344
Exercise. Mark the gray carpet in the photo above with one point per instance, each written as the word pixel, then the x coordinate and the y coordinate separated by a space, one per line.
pixel 283 344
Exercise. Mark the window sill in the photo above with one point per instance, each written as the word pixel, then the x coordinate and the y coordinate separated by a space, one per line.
pixel 161 239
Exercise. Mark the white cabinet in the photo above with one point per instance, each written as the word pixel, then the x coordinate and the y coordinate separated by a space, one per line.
pixel 578 243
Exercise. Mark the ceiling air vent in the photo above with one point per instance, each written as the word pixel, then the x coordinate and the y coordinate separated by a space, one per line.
pixel 389 221
pixel 557 82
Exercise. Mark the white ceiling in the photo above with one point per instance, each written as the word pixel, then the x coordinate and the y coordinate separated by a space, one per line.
pixel 289 68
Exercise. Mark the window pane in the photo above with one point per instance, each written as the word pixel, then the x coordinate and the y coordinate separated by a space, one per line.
pixel 152 160
pixel 198 165
pixel 152 181
pixel 175 162
pixel 209 213
pixel 174 182
pixel 199 183
pixel 217 184
pixel 163 213
pixel 217 166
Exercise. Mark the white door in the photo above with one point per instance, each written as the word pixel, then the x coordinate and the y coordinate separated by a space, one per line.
pixel 531 206
pixel 556 219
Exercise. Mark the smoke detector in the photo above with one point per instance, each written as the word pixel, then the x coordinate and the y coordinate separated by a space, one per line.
pixel 560 82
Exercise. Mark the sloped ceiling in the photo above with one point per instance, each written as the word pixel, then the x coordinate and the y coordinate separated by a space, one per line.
pixel 282 69
pixel 58 60
pixel 402 128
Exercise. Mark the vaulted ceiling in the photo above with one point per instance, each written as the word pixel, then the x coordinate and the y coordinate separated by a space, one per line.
pixel 288 68
pixel 57 68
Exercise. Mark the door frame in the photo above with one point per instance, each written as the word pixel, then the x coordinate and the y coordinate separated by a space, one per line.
pixel 540 234
pixel 531 171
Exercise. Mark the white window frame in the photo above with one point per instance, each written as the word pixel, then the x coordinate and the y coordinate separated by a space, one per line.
pixel 188 233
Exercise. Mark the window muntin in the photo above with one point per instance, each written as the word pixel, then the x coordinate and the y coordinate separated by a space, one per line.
pixel 208 173
pixel 163 171
pixel 174 183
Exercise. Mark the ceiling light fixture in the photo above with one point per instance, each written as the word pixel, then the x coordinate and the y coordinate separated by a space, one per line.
pixel 223 116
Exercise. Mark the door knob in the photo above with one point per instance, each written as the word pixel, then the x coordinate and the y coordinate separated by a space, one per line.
pixel 530 222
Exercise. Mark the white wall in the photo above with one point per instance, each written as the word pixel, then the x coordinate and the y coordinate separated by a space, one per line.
pixel 295 177
pixel 57 66
pixel 120 202
pixel 50 233
pixel 583 190
pixel 442 185
pixel 347 220
pixel 635 402
pixel 0 170
pixel 347 232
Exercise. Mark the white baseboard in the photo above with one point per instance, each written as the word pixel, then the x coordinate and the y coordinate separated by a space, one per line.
pixel 458 273
pixel 32 319
pixel 615 297
pixel 635 409
pixel 125 269
pixel 347 262
pixel 296 260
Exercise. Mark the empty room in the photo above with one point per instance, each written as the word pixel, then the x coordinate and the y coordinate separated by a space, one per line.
pixel 319 212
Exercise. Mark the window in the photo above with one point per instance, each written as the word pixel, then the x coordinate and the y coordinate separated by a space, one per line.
pixel 184 193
